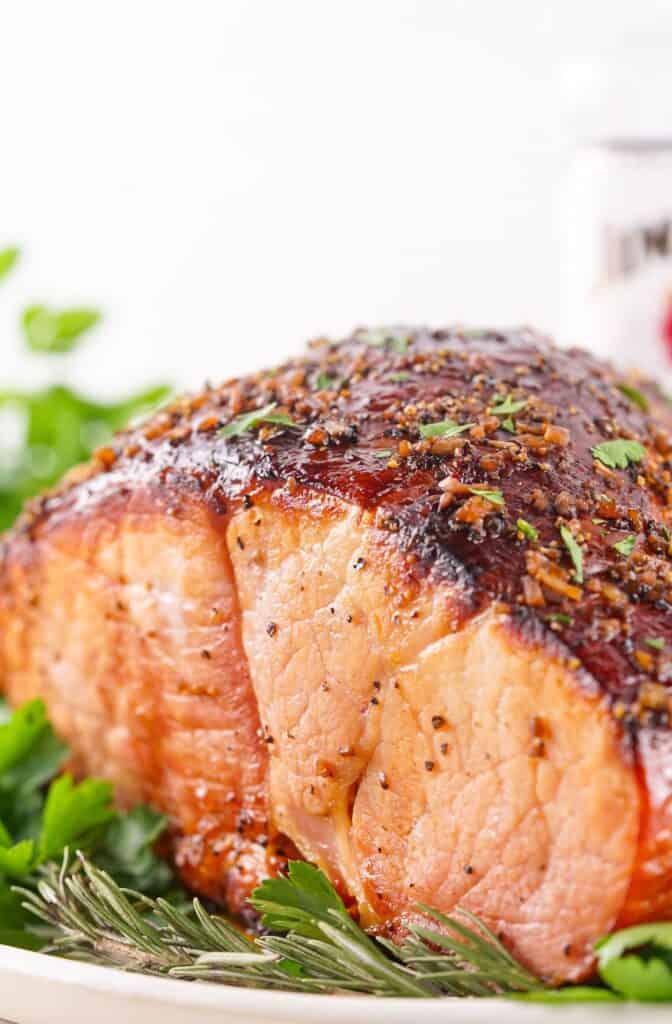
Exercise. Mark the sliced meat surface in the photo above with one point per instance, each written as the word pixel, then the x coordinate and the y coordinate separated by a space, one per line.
pixel 369 610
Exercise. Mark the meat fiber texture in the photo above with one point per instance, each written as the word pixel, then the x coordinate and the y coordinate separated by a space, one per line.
pixel 367 608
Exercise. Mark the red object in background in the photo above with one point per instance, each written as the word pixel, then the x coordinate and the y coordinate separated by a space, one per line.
pixel 666 326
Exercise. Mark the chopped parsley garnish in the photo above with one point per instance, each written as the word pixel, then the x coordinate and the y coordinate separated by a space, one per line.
pixel 509 406
pixel 395 341
pixel 635 396
pixel 55 331
pixel 444 428
pixel 41 816
pixel 8 259
pixel 657 642
pixel 509 425
pixel 250 420
pixel 400 377
pixel 323 382
pixel 528 531
pixel 494 497
pixel 618 454
pixel 625 546
pixel 559 617
pixel 383 453
pixel 575 552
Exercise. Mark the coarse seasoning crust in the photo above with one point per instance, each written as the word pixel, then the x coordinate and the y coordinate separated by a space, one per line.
pixel 450 439
pixel 399 606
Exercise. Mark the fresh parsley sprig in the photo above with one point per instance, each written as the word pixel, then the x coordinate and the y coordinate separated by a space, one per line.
pixel 251 420
pixel 618 454
pixel 9 257
pixel 58 427
pixel 40 818
pixel 444 428
pixel 54 331
pixel 575 552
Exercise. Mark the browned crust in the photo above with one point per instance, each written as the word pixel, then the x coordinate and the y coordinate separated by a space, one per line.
pixel 625 602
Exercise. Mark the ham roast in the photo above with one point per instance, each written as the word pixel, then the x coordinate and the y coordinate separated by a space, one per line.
pixel 409 619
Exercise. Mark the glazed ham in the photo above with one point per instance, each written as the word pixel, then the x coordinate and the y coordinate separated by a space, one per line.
pixel 400 607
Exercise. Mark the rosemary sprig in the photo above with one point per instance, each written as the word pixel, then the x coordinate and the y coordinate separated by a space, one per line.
pixel 84 914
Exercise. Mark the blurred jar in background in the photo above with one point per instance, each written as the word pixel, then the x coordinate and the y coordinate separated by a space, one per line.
pixel 618 208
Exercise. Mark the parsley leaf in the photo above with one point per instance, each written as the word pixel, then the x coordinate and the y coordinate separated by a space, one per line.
pixel 250 420
pixel 126 851
pixel 385 337
pixel 56 331
pixel 575 552
pixel 625 546
pixel 528 531
pixel 19 734
pixel 18 860
pixel 495 497
pixel 617 454
pixel 61 429
pixel 297 902
pixel 400 377
pixel 71 813
pixel 509 406
pixel 8 259
pixel 35 829
pixel 635 396
pixel 509 425
pixel 444 428
pixel 382 453
pixel 13 921
pixel 323 382
pixel 637 962
pixel 559 617
pixel 657 642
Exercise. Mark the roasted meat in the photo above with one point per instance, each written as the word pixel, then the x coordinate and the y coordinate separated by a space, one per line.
pixel 401 607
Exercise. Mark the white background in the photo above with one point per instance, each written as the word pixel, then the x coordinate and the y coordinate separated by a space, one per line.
pixel 227 179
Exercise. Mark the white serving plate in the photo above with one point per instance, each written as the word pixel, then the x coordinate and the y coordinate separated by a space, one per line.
pixel 38 989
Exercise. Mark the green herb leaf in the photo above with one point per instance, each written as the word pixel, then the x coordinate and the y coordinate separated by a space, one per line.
pixel 385 337
pixel 575 552
pixel 14 920
pixel 56 331
pixel 635 396
pixel 444 428
pixel 637 962
pixel 559 617
pixel 625 546
pixel 323 382
pixel 8 259
pixel 19 860
pixel 618 454
pixel 400 377
pixel 656 642
pixel 126 851
pixel 251 420
pixel 528 531
pixel 509 425
pixel 19 734
pixel 382 453
pixel 509 406
pixel 495 497
pixel 296 903
pixel 61 429
pixel 71 813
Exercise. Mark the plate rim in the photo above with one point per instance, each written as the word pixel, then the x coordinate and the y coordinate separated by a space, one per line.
pixel 264 1003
